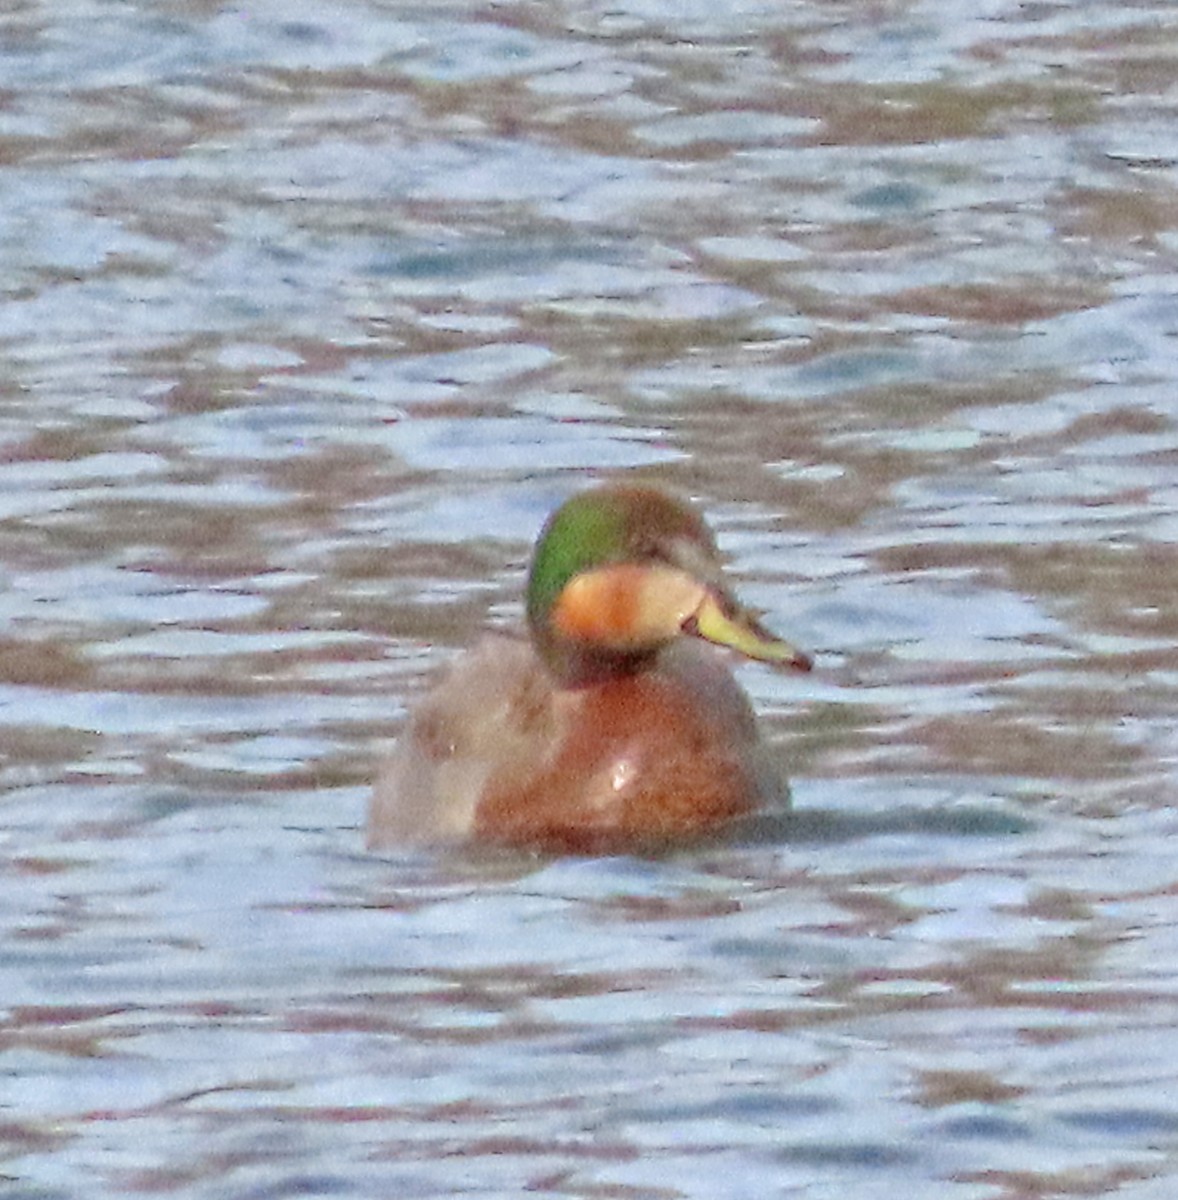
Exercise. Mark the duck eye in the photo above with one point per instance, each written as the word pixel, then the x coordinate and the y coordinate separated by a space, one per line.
pixel 648 549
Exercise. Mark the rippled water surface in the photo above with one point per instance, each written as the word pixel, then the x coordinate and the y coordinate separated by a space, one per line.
pixel 310 312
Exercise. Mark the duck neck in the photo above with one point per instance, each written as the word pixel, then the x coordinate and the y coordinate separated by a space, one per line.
pixel 574 666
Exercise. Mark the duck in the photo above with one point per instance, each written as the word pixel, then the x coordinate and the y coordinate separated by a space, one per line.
pixel 615 724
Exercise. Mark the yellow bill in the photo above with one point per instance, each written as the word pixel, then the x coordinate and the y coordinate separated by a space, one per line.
pixel 742 632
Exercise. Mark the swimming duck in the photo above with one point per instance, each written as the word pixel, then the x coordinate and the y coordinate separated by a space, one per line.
pixel 614 726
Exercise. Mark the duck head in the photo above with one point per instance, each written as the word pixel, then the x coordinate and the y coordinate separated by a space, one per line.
pixel 619 572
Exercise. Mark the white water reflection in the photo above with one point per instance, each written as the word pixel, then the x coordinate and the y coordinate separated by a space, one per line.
pixel 309 315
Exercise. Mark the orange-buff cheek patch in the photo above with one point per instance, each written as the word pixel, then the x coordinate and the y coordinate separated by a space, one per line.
pixel 626 605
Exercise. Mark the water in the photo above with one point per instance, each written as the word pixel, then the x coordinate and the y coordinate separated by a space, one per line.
pixel 309 314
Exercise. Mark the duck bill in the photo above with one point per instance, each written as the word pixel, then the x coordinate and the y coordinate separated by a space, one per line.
pixel 721 622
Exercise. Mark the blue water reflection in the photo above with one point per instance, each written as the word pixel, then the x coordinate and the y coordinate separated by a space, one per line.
pixel 310 314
